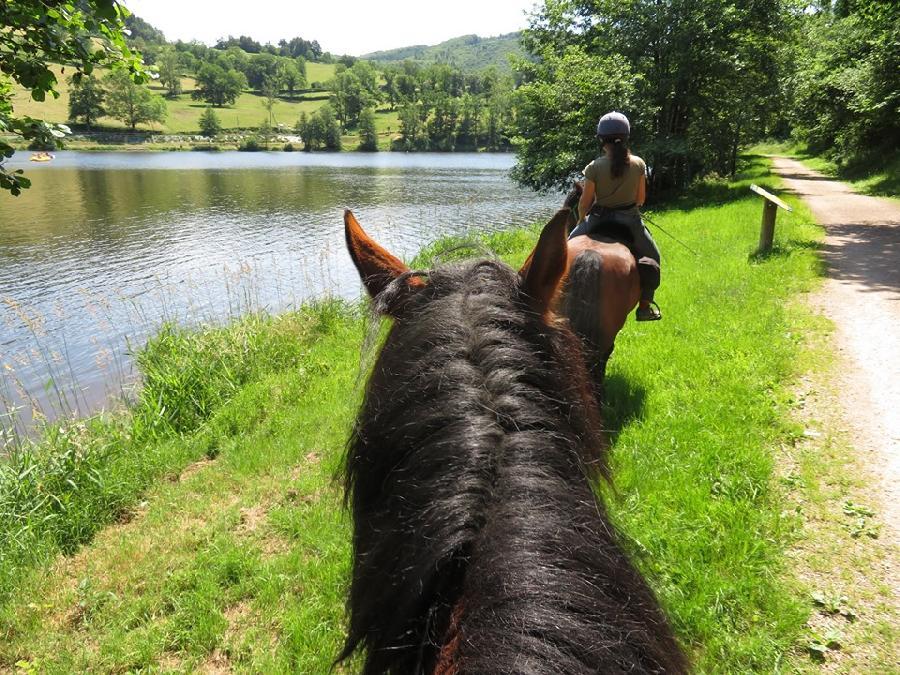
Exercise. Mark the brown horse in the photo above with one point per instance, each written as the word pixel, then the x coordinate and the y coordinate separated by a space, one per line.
pixel 479 542
pixel 600 288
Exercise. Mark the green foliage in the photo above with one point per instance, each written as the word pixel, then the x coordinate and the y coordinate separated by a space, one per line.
pixel 290 77
pixel 86 100
pixel 441 127
pixel 34 34
pixel 443 108
pixel 368 134
pixel 131 102
pixel 696 79
pixel 320 130
pixel 560 104
pixel 412 128
pixel 352 90
pixel 218 86
pixel 845 83
pixel 169 71
pixel 209 123
pixel 251 144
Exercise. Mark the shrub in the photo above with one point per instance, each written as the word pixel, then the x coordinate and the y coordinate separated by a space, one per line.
pixel 250 144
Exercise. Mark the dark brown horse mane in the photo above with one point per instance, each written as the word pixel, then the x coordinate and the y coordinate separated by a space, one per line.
pixel 470 475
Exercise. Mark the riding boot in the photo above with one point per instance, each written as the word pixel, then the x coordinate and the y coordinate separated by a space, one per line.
pixel 649 274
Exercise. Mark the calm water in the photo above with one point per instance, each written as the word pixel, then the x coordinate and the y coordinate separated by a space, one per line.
pixel 106 246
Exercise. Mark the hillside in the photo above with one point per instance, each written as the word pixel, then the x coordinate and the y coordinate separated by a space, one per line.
pixel 468 52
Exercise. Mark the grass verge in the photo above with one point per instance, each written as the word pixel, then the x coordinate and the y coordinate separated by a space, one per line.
pixel 229 549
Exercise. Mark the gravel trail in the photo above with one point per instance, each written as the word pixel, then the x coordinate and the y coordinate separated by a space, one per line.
pixel 861 295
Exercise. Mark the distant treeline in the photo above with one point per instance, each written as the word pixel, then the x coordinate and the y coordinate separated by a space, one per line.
pixel 440 107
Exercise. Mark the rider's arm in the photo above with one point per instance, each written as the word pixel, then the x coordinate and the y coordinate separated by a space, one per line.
pixel 587 199
pixel 641 191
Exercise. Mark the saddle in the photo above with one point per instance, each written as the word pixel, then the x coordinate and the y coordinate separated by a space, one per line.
pixel 602 227
pixel 612 231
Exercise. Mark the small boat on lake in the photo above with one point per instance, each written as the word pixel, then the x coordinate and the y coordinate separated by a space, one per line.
pixel 42 157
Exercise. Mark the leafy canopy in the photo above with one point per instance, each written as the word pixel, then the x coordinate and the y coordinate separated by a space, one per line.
pixel 79 35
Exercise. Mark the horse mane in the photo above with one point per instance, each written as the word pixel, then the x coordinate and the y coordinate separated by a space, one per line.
pixel 469 474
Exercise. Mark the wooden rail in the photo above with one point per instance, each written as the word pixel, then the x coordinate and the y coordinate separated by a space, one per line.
pixel 771 203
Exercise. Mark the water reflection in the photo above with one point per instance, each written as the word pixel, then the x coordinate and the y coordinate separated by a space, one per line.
pixel 105 247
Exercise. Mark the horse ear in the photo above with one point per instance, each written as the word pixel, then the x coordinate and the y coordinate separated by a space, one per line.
pixel 377 267
pixel 545 267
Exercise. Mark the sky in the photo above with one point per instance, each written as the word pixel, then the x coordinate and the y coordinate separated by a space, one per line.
pixel 342 27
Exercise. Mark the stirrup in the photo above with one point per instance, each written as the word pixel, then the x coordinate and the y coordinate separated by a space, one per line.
pixel 651 313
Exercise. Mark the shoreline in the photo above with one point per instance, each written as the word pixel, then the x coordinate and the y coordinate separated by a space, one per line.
pixel 196 143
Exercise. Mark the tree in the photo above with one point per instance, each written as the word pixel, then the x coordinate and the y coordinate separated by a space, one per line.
pixel 352 90
pixel 262 68
pixel 469 122
pixel 35 34
pixel 217 86
pixel 680 70
pixel 209 123
pixel 290 78
pixel 441 127
pixel 559 109
pixel 85 100
pixel 331 127
pixel 412 128
pixel 320 130
pixel 169 71
pixel 845 84
pixel 269 101
pixel 368 134
pixel 266 131
pixel 130 102
pixel 390 73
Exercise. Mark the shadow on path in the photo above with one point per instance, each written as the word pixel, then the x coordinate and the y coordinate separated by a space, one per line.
pixel 866 254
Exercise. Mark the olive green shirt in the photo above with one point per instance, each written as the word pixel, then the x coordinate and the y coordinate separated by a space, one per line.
pixel 615 192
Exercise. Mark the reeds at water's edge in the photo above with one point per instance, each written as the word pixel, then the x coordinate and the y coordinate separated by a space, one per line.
pixel 48 377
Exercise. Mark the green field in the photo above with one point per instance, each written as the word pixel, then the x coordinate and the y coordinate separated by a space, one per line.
pixel 202 530
pixel 184 112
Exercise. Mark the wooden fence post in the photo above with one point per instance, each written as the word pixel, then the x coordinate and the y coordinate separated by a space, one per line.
pixel 771 204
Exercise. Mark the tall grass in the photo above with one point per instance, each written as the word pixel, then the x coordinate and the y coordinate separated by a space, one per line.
pixel 242 563
pixel 58 490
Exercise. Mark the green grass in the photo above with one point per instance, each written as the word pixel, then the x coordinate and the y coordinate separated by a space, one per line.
pixel 184 112
pixel 881 179
pixel 214 531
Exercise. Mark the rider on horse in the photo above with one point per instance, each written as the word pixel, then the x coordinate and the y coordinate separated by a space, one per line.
pixel 614 187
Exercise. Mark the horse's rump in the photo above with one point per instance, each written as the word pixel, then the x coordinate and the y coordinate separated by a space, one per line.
pixel 582 294
pixel 601 288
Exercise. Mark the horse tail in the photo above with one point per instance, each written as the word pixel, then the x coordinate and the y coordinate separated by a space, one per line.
pixel 582 296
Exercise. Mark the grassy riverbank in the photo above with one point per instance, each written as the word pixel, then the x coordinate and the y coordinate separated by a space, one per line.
pixel 214 531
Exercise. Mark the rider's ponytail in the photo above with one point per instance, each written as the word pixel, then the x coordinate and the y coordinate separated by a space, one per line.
pixel 620 154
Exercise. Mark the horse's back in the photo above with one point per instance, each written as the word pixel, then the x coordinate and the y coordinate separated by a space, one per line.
pixel 618 260
pixel 618 287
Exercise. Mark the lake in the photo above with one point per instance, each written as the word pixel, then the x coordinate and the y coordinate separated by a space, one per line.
pixel 105 247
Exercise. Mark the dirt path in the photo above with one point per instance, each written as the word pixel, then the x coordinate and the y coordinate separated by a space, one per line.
pixel 862 297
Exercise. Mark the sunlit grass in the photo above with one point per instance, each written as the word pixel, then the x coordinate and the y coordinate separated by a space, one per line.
pixel 184 112
pixel 229 547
